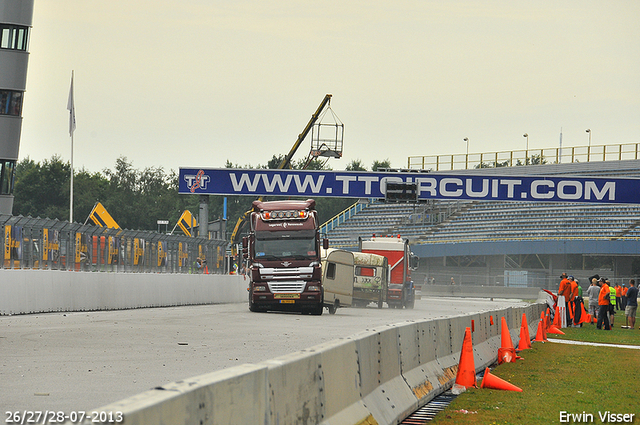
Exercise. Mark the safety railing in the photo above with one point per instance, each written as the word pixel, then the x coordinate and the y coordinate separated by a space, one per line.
pixel 340 218
pixel 625 151
pixel 37 243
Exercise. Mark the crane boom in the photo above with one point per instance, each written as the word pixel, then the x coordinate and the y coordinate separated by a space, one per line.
pixel 285 163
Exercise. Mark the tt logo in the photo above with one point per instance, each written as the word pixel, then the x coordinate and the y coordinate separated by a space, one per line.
pixel 198 181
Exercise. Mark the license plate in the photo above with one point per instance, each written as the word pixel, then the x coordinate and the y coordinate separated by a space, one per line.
pixel 287 301
pixel 287 296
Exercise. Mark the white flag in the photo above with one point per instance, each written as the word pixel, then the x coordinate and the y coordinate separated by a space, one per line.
pixel 72 109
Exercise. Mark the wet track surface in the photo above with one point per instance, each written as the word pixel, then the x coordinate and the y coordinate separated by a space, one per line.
pixel 84 360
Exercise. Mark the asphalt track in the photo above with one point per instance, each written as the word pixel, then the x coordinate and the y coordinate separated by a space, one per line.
pixel 81 361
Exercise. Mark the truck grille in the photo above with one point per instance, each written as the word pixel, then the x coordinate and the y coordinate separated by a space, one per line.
pixel 293 286
pixel 270 273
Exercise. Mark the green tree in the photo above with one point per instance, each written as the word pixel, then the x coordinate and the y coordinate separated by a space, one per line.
pixel 42 190
pixel 381 164
pixel 355 165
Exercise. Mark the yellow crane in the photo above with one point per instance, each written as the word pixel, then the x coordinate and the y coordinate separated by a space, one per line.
pixel 285 163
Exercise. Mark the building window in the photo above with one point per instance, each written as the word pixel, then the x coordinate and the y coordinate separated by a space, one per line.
pixel 14 37
pixel 10 102
pixel 7 174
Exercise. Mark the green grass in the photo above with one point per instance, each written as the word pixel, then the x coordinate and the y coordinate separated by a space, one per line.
pixel 558 377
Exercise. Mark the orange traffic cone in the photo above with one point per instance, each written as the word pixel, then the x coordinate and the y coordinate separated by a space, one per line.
pixel 506 352
pixel 493 382
pixel 545 325
pixel 525 339
pixel 556 318
pixel 540 334
pixel 466 376
pixel 554 330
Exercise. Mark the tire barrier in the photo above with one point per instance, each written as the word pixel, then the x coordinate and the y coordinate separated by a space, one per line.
pixel 374 377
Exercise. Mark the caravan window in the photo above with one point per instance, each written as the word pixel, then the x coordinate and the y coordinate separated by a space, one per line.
pixel 365 271
pixel 331 270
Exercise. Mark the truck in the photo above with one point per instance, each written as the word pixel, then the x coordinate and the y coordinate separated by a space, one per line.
pixel 401 292
pixel 282 257
pixel 353 279
pixel 371 279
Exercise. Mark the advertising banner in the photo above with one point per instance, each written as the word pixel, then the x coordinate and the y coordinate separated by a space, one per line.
pixel 296 183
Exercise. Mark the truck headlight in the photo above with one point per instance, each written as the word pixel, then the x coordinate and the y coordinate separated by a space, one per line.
pixel 313 288
pixel 259 288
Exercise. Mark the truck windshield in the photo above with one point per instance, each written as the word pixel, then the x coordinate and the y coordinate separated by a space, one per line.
pixel 277 245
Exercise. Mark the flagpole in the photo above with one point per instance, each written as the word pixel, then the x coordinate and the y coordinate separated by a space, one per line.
pixel 72 127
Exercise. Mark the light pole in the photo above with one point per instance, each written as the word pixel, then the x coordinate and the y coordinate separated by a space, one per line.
pixel 588 130
pixel 466 160
pixel 526 152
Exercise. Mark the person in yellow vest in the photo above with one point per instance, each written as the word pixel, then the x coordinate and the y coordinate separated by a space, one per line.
pixel 612 305
pixel 618 296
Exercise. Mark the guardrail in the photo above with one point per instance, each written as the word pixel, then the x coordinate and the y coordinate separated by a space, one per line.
pixel 45 244
pixel 341 217
pixel 377 376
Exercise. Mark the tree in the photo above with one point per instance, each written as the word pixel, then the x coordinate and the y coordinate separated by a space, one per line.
pixel 381 164
pixel 355 165
pixel 42 190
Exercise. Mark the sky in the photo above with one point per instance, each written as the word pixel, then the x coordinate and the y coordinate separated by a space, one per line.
pixel 202 82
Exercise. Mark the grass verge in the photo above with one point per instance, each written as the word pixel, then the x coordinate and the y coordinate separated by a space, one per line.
pixel 557 378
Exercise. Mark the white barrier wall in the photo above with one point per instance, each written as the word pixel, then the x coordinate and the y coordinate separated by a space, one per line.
pixel 375 377
pixel 42 291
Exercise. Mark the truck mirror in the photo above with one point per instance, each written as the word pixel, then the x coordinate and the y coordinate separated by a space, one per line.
pixel 414 262
pixel 325 243
pixel 245 248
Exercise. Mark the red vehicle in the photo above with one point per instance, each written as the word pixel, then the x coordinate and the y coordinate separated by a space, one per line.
pixel 401 292
pixel 282 253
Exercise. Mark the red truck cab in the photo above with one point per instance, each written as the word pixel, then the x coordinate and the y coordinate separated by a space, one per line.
pixel 282 253
pixel 401 291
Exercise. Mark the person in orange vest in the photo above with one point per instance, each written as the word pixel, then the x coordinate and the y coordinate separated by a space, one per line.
pixel 623 299
pixel 603 305
pixel 618 296
pixel 564 290
pixel 573 293
pixel 575 300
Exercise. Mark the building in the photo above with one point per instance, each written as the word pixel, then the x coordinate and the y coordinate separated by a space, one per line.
pixel 15 28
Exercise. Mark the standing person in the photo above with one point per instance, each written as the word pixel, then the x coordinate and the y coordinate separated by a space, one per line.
pixel 564 290
pixel 593 292
pixel 573 301
pixel 618 296
pixel 612 302
pixel 624 297
pixel 603 305
pixel 632 304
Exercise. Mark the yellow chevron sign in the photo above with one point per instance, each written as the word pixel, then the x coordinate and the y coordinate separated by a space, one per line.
pixel 102 218
pixel 187 222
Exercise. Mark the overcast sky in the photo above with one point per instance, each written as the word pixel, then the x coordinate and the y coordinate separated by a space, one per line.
pixel 200 82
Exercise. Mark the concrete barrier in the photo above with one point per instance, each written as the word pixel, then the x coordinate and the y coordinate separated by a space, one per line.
pixel 478 291
pixel 43 291
pixel 375 377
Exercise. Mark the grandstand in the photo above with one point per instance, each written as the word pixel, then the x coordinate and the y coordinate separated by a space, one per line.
pixel 502 229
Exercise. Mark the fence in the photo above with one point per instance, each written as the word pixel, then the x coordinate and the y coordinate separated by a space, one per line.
pixel 619 152
pixel 36 243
